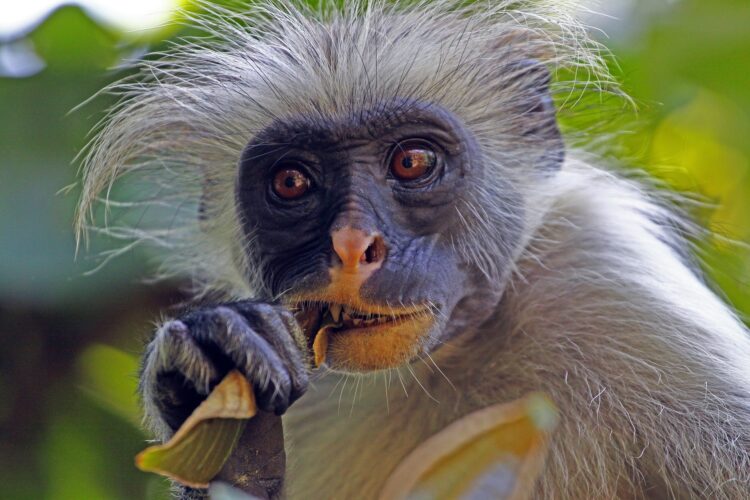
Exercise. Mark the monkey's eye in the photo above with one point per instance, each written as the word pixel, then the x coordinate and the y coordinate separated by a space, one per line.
pixel 412 160
pixel 290 183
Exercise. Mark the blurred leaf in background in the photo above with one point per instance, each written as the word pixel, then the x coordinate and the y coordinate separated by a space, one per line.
pixel 69 342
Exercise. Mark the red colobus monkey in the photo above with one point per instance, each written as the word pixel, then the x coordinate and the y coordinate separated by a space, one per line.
pixel 398 167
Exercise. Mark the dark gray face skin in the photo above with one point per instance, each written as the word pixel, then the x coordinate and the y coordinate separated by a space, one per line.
pixel 348 162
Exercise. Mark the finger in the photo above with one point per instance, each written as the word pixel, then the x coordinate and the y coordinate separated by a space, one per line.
pixel 278 327
pixel 231 335
pixel 175 350
pixel 176 374
pixel 299 366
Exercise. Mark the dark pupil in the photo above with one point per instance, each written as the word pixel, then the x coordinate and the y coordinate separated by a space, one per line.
pixel 290 182
pixel 407 162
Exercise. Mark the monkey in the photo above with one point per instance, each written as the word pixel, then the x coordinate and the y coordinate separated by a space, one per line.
pixel 399 168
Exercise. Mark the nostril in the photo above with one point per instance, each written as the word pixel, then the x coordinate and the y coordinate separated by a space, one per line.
pixel 354 247
pixel 375 252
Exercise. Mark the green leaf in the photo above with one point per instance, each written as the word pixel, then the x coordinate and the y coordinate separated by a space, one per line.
pixel 201 446
pixel 197 458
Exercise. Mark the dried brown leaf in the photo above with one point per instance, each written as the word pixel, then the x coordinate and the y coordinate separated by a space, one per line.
pixel 497 452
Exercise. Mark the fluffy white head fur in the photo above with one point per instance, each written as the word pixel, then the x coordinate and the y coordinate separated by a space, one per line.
pixel 182 122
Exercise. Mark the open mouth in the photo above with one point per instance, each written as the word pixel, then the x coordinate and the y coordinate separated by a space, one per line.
pixel 322 321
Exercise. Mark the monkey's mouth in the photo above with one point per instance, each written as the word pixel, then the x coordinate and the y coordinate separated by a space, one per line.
pixel 359 339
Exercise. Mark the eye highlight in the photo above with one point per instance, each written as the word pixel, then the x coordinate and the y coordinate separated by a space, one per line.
pixel 411 160
pixel 290 183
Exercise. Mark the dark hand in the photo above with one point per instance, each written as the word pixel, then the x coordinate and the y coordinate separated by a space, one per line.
pixel 190 355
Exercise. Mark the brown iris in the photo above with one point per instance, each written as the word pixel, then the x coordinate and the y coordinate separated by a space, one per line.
pixel 290 183
pixel 412 160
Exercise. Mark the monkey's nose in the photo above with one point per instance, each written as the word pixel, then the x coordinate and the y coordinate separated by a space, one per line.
pixel 357 249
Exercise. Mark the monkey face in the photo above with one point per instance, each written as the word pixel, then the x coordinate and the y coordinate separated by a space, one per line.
pixel 356 222
pixel 419 143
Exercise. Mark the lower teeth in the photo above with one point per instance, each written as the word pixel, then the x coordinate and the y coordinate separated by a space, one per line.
pixel 350 320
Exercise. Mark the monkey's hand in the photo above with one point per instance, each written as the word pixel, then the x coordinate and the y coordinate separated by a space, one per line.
pixel 190 355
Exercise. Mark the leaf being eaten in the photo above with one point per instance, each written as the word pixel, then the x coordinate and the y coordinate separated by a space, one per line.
pixel 200 447
pixel 320 340
pixel 497 452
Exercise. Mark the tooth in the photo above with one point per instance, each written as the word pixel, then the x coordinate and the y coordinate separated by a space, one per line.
pixel 356 322
pixel 336 312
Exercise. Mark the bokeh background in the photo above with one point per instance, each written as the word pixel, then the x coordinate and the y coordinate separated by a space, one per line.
pixel 70 339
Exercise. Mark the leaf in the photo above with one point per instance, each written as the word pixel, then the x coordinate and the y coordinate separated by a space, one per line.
pixel 320 341
pixel 105 374
pixel 201 446
pixel 497 452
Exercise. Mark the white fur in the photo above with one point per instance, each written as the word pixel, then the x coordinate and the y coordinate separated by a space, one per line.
pixel 648 366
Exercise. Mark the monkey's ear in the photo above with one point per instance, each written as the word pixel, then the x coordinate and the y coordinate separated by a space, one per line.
pixel 534 114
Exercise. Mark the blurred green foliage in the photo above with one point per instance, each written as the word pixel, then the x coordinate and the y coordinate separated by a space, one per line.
pixel 69 342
